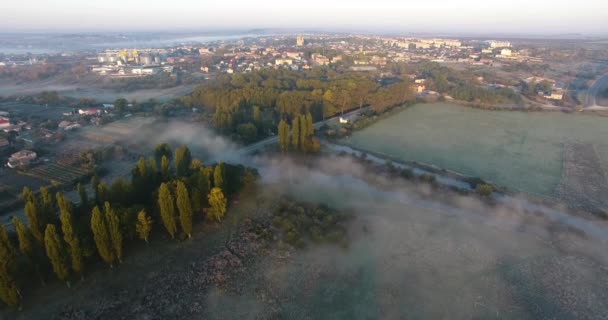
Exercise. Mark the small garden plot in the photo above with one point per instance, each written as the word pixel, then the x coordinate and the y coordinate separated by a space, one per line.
pixel 57 173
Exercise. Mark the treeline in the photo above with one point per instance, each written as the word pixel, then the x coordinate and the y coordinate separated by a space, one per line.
pixel 169 191
pixel 250 106
pixel 462 86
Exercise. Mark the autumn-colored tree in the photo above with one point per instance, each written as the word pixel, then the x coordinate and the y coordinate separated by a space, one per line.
pixel 47 205
pixel 27 246
pixel 295 133
pixel 304 141
pixel 218 175
pixel 183 160
pixel 283 131
pixel 9 291
pixel 23 236
pixel 113 224
pixel 310 129
pixel 34 220
pixel 69 234
pixel 57 254
pixel 27 195
pixel 218 203
pixel 5 243
pixel 101 236
pixel 101 195
pixel 185 208
pixel 143 226
pixel 167 209
pixel 256 114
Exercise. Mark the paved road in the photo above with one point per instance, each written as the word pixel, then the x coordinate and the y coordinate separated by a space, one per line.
pixel 591 99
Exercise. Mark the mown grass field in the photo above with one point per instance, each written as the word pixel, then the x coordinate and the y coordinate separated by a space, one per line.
pixel 521 151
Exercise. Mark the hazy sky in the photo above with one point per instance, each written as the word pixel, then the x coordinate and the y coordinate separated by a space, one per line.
pixel 482 16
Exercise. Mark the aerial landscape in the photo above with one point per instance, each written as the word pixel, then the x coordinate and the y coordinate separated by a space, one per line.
pixel 274 160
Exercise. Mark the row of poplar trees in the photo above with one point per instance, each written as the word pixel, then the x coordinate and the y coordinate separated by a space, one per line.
pixel 117 213
pixel 302 134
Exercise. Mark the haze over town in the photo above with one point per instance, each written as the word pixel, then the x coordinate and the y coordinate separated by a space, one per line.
pixel 443 16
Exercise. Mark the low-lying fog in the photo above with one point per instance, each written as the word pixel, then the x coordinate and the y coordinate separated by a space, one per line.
pixel 413 256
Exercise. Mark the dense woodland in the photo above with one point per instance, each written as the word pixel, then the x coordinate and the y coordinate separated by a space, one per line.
pixel 167 193
pixel 251 106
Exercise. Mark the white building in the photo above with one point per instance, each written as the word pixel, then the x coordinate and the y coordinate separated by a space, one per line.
pixel 21 158
pixel 499 44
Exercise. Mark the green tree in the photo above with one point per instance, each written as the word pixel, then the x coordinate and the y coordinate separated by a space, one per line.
pixel 82 193
pixel 94 186
pixel 120 105
pixel 218 203
pixel 162 150
pixel 102 193
pixel 165 169
pixel 47 205
pixel 102 236
pixel 167 209
pixel 27 195
pixel 5 243
pixel 9 291
pixel 23 236
pixel 310 129
pixel 113 225
pixel 143 226
pixel 304 139
pixel 283 130
pixel 218 175
pixel 56 252
pixel 69 234
pixel 34 220
pixel 183 160
pixel 295 133
pixel 256 115
pixel 185 208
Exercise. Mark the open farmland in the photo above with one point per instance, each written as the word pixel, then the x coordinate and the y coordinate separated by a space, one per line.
pixel 521 151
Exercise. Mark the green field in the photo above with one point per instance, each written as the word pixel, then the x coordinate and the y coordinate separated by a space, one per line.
pixel 521 151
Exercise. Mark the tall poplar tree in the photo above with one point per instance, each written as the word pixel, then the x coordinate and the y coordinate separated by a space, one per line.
pixel 167 209
pixel 47 205
pixel 9 291
pixel 295 133
pixel 184 207
pixel 303 133
pixel 56 252
pixel 34 220
pixel 143 226
pixel 283 132
pixel 218 202
pixel 69 234
pixel 183 160
pixel 113 225
pixel 102 236
pixel 218 175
